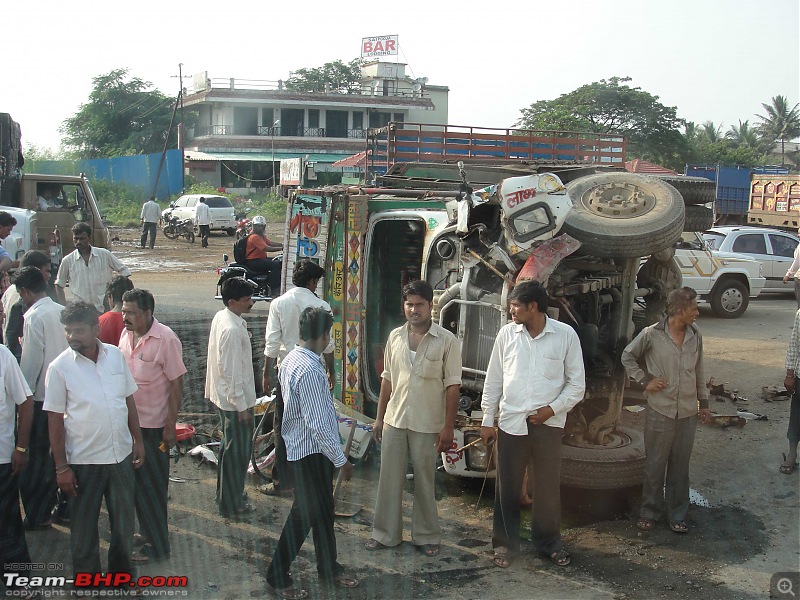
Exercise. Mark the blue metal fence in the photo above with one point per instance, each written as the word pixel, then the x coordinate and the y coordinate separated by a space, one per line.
pixel 138 171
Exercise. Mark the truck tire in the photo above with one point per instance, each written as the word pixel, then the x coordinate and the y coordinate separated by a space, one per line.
pixel 622 215
pixel 694 190
pixel 698 218
pixel 605 468
pixel 729 298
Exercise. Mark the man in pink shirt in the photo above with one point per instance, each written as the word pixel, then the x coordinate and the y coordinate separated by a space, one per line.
pixel 155 357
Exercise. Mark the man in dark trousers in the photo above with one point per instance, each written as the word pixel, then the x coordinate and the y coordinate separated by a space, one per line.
pixel 282 335
pixel 311 434
pixel 535 376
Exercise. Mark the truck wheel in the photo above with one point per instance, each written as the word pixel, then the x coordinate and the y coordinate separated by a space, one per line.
pixel 622 215
pixel 698 218
pixel 695 190
pixel 729 299
pixel 602 468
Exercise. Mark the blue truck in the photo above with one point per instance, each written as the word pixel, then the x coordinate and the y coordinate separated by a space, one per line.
pixel 733 189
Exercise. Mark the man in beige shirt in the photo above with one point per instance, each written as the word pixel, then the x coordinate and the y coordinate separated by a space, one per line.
pixel 416 414
pixel 671 352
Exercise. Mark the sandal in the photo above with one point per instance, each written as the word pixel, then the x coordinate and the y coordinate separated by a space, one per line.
pixel 501 558
pixel 787 468
pixel 373 544
pixel 679 527
pixel 645 524
pixel 429 550
pixel 560 558
pixel 290 593
pixel 345 581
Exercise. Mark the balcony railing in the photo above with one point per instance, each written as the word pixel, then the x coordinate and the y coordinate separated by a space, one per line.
pixel 312 132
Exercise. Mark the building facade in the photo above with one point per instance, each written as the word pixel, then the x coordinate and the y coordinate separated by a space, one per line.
pixel 245 127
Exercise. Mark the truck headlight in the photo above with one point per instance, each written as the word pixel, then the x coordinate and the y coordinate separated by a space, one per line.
pixel 478 457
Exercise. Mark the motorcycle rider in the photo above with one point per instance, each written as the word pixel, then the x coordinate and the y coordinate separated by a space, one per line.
pixel 258 244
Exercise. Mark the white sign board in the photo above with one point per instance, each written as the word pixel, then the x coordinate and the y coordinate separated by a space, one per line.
pixel 290 171
pixel 200 81
pixel 381 45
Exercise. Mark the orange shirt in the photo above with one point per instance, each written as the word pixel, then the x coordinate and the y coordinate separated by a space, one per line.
pixel 257 246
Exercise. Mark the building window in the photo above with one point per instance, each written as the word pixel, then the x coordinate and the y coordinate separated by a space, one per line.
pixel 379 119
pixel 313 117
pixel 399 118
pixel 358 120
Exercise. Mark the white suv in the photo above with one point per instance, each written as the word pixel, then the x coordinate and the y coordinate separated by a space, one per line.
pixel 774 249
pixel 726 281
pixel 223 217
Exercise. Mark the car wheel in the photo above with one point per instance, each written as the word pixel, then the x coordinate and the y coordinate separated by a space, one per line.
pixel 624 215
pixel 618 465
pixel 230 231
pixel 698 218
pixel 729 299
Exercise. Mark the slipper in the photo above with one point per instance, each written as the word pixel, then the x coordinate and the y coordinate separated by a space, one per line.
pixel 679 527
pixel 290 593
pixel 146 554
pixel 373 544
pixel 345 581
pixel 787 468
pixel 645 524
pixel 501 558
pixel 560 558
pixel 430 550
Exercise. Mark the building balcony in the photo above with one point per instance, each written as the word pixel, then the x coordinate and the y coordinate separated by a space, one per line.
pixel 298 132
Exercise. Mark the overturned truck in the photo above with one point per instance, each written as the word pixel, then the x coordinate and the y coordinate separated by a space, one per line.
pixel 600 239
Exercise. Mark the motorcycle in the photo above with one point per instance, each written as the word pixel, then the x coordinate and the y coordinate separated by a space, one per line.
pixel 267 285
pixel 244 226
pixel 175 228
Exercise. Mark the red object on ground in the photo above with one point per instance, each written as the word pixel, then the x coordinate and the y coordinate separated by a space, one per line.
pixel 183 431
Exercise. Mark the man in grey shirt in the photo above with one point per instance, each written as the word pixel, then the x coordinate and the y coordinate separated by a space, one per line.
pixel 671 352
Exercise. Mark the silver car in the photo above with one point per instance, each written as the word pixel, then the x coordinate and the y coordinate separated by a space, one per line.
pixel 774 249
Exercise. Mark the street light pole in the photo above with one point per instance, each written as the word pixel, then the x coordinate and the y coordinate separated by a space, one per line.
pixel 274 125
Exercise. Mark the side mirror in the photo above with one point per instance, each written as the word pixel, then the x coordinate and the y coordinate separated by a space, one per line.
pixel 172 205
pixel 225 258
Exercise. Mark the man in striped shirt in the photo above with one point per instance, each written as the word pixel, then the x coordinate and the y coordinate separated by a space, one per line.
pixel 313 447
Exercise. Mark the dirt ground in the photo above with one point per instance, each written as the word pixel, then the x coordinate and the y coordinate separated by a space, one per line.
pixel 748 531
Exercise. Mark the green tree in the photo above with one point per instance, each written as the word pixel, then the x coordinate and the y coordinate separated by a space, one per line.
pixel 743 136
pixel 611 106
pixel 124 115
pixel 335 77
pixel 780 124
pixel 711 133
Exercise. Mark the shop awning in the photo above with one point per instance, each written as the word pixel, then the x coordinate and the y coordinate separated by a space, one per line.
pixel 192 156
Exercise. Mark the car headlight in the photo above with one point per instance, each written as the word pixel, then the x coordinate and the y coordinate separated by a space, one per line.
pixel 478 457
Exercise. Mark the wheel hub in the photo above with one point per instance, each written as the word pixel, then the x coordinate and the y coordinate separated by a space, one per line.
pixel 731 299
pixel 618 200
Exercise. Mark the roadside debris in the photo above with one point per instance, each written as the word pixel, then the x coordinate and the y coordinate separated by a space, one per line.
pixel 205 453
pixel 774 393
pixel 725 421
pixel 720 393
pixel 751 416
pixel 636 408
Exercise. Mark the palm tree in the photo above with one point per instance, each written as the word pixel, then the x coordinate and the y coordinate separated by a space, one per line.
pixel 781 124
pixel 711 133
pixel 743 135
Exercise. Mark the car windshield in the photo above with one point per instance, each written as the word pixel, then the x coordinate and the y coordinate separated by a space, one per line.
pixel 713 239
pixel 218 202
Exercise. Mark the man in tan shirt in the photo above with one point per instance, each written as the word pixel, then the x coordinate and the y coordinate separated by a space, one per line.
pixel 671 352
pixel 416 414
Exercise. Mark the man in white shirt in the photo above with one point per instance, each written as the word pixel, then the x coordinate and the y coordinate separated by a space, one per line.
pixel 230 386
pixel 151 213
pixel 282 335
pixel 87 269
pixel 95 438
pixel 14 308
pixel 794 273
pixel 15 399
pixel 535 376
pixel 43 341
pixel 202 217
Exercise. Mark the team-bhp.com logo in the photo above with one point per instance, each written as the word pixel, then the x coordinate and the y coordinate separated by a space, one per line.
pixel 150 585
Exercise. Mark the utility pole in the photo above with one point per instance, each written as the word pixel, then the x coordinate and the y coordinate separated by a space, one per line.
pixel 181 125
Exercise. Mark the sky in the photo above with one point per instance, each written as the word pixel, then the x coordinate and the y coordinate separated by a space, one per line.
pixel 716 60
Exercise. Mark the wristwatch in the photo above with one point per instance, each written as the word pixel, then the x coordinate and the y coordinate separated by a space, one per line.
pixel 20 450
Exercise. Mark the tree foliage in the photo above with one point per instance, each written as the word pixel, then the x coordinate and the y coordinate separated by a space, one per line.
pixel 124 115
pixel 780 124
pixel 336 77
pixel 613 107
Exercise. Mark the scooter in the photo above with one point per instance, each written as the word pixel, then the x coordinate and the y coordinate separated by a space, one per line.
pixel 268 285
pixel 175 228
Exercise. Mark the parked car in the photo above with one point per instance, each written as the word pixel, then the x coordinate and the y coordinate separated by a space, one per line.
pixel 772 248
pixel 222 214
pixel 725 280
